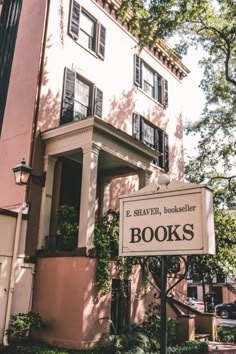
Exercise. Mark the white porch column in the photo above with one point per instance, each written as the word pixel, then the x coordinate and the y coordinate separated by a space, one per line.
pixel 144 178
pixel 105 195
pixel 88 195
pixel 46 201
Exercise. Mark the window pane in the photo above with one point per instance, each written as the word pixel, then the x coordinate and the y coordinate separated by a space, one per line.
pixel 148 89
pixel 148 75
pixel 80 111
pixel 82 92
pixel 148 81
pixel 85 40
pixel 148 134
pixel 87 25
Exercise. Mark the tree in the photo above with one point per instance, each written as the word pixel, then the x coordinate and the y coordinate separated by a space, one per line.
pixel 212 24
pixel 224 262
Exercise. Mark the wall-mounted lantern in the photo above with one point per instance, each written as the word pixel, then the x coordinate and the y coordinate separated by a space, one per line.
pixel 23 173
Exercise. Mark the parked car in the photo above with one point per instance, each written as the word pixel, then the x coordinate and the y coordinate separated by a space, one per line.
pixel 196 304
pixel 227 310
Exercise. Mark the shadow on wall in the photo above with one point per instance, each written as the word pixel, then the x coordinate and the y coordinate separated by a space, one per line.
pixel 177 150
pixel 61 22
pixel 95 308
pixel 48 116
pixel 50 102
pixel 121 109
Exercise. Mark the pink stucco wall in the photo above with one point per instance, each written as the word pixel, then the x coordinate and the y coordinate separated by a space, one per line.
pixel 114 76
pixel 67 300
pixel 15 142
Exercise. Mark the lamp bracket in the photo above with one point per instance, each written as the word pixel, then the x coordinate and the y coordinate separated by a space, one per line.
pixel 39 179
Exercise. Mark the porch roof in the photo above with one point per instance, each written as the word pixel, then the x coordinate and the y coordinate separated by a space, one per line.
pixel 69 139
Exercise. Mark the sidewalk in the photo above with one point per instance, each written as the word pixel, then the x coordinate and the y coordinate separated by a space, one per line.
pixel 222 348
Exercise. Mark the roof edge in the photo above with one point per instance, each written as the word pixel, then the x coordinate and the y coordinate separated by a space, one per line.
pixel 161 51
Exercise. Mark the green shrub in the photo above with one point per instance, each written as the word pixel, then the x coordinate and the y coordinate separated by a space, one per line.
pixel 131 341
pixel 152 326
pixel 41 348
pixel 106 236
pixel 226 334
pixel 21 324
pixel 68 228
pixel 192 347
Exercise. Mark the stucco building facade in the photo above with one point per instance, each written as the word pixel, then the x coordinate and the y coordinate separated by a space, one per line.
pixel 101 118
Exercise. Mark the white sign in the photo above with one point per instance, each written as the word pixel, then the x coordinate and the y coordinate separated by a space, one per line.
pixel 174 221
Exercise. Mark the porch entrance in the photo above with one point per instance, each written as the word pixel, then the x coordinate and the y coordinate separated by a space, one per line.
pixel 70 189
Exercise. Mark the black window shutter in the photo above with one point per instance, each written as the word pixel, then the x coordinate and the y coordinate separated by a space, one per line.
pixel 101 41
pixel 137 71
pixel 159 94
pixel 9 21
pixel 141 129
pixel 74 19
pixel 156 86
pixel 166 152
pixel 67 114
pixel 166 93
pixel 98 100
pixel 136 126
pixel 161 148
pixel 157 139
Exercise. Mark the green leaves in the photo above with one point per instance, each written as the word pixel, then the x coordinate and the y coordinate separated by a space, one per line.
pixel 67 227
pixel 224 261
pixel 106 236
pixel 210 24
pixel 21 324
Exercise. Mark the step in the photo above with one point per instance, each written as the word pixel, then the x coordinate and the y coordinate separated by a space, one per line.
pixel 202 337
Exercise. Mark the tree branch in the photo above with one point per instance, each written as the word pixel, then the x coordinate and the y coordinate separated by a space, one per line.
pixel 226 49
pixel 223 177
pixel 227 76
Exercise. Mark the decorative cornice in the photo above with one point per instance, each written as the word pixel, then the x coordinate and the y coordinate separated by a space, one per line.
pixel 65 130
pixel 161 51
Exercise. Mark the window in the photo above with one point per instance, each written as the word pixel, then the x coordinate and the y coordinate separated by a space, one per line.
pixel 154 137
pixel 87 30
pixel 150 81
pixel 80 98
pixel 9 20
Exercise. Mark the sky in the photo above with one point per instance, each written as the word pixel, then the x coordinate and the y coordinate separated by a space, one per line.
pixel 193 94
pixel 194 103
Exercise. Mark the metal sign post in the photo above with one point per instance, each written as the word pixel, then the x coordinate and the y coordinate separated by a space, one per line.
pixel 163 335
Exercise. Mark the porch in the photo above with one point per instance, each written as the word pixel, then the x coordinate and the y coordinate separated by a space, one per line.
pixel 85 161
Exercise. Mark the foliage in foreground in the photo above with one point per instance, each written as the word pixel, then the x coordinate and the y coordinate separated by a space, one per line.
pixel 68 228
pixel 224 261
pixel 152 326
pixel 226 334
pixel 21 324
pixel 145 339
pixel 40 348
pixel 106 236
